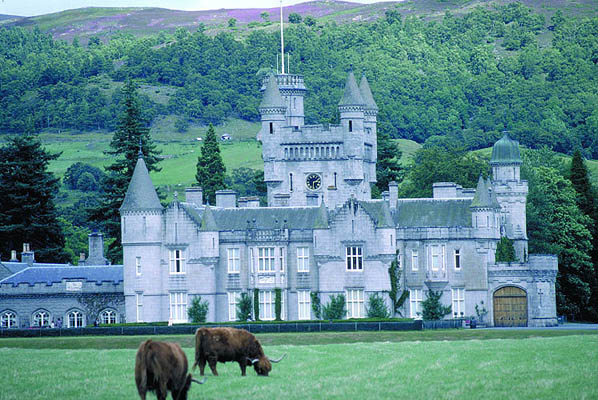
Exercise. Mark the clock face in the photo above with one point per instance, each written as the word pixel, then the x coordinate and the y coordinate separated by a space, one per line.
pixel 313 181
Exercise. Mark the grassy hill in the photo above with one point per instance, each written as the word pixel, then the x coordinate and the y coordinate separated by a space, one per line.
pixel 107 22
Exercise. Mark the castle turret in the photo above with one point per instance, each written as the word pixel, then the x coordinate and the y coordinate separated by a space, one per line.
pixel 141 222
pixel 351 106
pixel 272 110
pixel 370 137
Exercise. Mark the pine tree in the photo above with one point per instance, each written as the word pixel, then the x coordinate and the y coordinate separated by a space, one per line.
pixel 131 133
pixel 505 250
pixel 27 210
pixel 210 168
pixel 388 167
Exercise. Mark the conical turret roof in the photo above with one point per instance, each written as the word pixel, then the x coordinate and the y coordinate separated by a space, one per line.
pixel 493 199
pixel 272 97
pixel 366 94
pixel 506 150
pixel 352 95
pixel 208 222
pixel 141 194
pixel 481 199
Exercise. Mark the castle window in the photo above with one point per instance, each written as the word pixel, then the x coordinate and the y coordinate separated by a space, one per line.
pixel 414 260
pixel 415 302
pixel 437 258
pixel 139 301
pixel 304 306
pixel 335 179
pixel 233 300
pixel 458 302
pixel 457 259
pixel 302 259
pixel 108 317
pixel 354 258
pixel 350 126
pixel 234 262
pixel 41 318
pixel 265 259
pixel 144 226
pixel 266 305
pixel 290 182
pixel 355 306
pixel 74 319
pixel 8 320
pixel 271 128
pixel 177 262
pixel 251 262
pixel 137 266
pixel 281 261
pixel 178 306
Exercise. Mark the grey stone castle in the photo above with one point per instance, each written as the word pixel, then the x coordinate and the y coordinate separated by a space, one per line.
pixel 323 234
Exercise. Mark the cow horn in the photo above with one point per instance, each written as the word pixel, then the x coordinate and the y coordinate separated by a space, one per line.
pixel 253 360
pixel 279 360
pixel 200 382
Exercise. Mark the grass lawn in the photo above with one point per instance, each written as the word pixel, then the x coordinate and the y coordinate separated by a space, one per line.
pixel 559 367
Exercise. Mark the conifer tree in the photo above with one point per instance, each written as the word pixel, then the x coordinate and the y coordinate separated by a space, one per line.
pixel 131 134
pixel 27 210
pixel 505 250
pixel 388 167
pixel 210 168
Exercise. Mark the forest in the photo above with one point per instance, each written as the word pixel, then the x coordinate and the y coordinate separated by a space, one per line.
pixel 460 80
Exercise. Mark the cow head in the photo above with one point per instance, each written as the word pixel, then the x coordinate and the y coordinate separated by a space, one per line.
pixel 263 364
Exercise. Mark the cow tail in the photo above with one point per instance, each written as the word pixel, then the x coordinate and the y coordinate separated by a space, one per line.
pixel 142 362
pixel 197 348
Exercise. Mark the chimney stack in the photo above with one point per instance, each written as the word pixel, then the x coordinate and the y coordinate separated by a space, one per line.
pixel 226 198
pixel 96 249
pixel 393 194
pixel 253 202
pixel 194 195
pixel 13 256
pixel 27 256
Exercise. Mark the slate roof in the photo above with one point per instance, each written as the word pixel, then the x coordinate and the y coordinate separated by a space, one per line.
pixel 352 94
pixel 17 266
pixel 51 275
pixel 481 199
pixel 366 94
pixel 425 213
pixel 229 219
pixel 141 194
pixel 379 212
pixel 272 97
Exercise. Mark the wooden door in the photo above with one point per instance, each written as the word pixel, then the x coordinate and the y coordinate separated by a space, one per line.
pixel 510 307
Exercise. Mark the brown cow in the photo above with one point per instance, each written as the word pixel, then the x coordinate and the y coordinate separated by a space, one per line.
pixel 160 367
pixel 230 344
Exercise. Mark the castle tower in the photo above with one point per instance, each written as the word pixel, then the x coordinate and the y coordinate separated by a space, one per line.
pixel 272 110
pixel 141 222
pixel 292 89
pixel 510 192
pixel 370 137
pixel 484 218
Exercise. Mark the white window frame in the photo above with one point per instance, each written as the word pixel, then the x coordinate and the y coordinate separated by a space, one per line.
pixel 302 259
pixel 108 316
pixel 457 259
pixel 177 262
pixel 436 258
pixel 267 304
pixel 233 256
pixel 354 258
pixel 303 304
pixel 414 260
pixel 415 300
pixel 8 320
pixel 233 301
pixel 45 318
pixel 138 265
pixel 458 296
pixel 266 259
pixel 355 303
pixel 178 306
pixel 139 307
pixel 74 319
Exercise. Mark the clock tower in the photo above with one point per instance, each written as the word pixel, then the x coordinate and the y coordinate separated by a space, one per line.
pixel 307 164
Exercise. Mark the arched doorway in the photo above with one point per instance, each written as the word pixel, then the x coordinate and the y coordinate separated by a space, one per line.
pixel 510 307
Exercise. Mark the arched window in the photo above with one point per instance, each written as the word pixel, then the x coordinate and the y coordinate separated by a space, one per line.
pixel 41 318
pixel 74 319
pixel 8 319
pixel 108 317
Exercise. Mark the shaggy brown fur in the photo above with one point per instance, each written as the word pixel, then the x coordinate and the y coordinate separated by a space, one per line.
pixel 229 344
pixel 160 367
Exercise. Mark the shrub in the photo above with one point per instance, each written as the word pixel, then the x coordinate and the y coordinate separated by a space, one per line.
pixel 377 307
pixel 295 18
pixel 199 310
pixel 277 304
pixel 315 304
pixel 505 251
pixel 335 309
pixel 244 307
pixel 256 304
pixel 432 308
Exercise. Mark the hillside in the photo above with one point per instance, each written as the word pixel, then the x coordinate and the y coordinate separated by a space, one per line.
pixel 108 22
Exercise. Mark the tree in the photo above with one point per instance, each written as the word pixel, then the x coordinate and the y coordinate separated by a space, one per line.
pixel 309 20
pixel 256 304
pixel 247 182
pixel 432 308
pixel 210 167
pixel 27 210
pixel 505 251
pixel 377 307
pixel 278 304
pixel 132 134
pixel 199 310
pixel 75 171
pixel 232 22
pixel 76 240
pixel 388 167
pixel 394 273
pixel 244 307
pixel 315 304
pixel 335 309
pixel 295 18
pixel 265 16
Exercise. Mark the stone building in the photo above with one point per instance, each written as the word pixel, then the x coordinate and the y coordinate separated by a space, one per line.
pixel 36 294
pixel 322 234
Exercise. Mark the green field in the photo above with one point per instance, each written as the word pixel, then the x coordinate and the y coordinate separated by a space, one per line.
pixel 464 364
